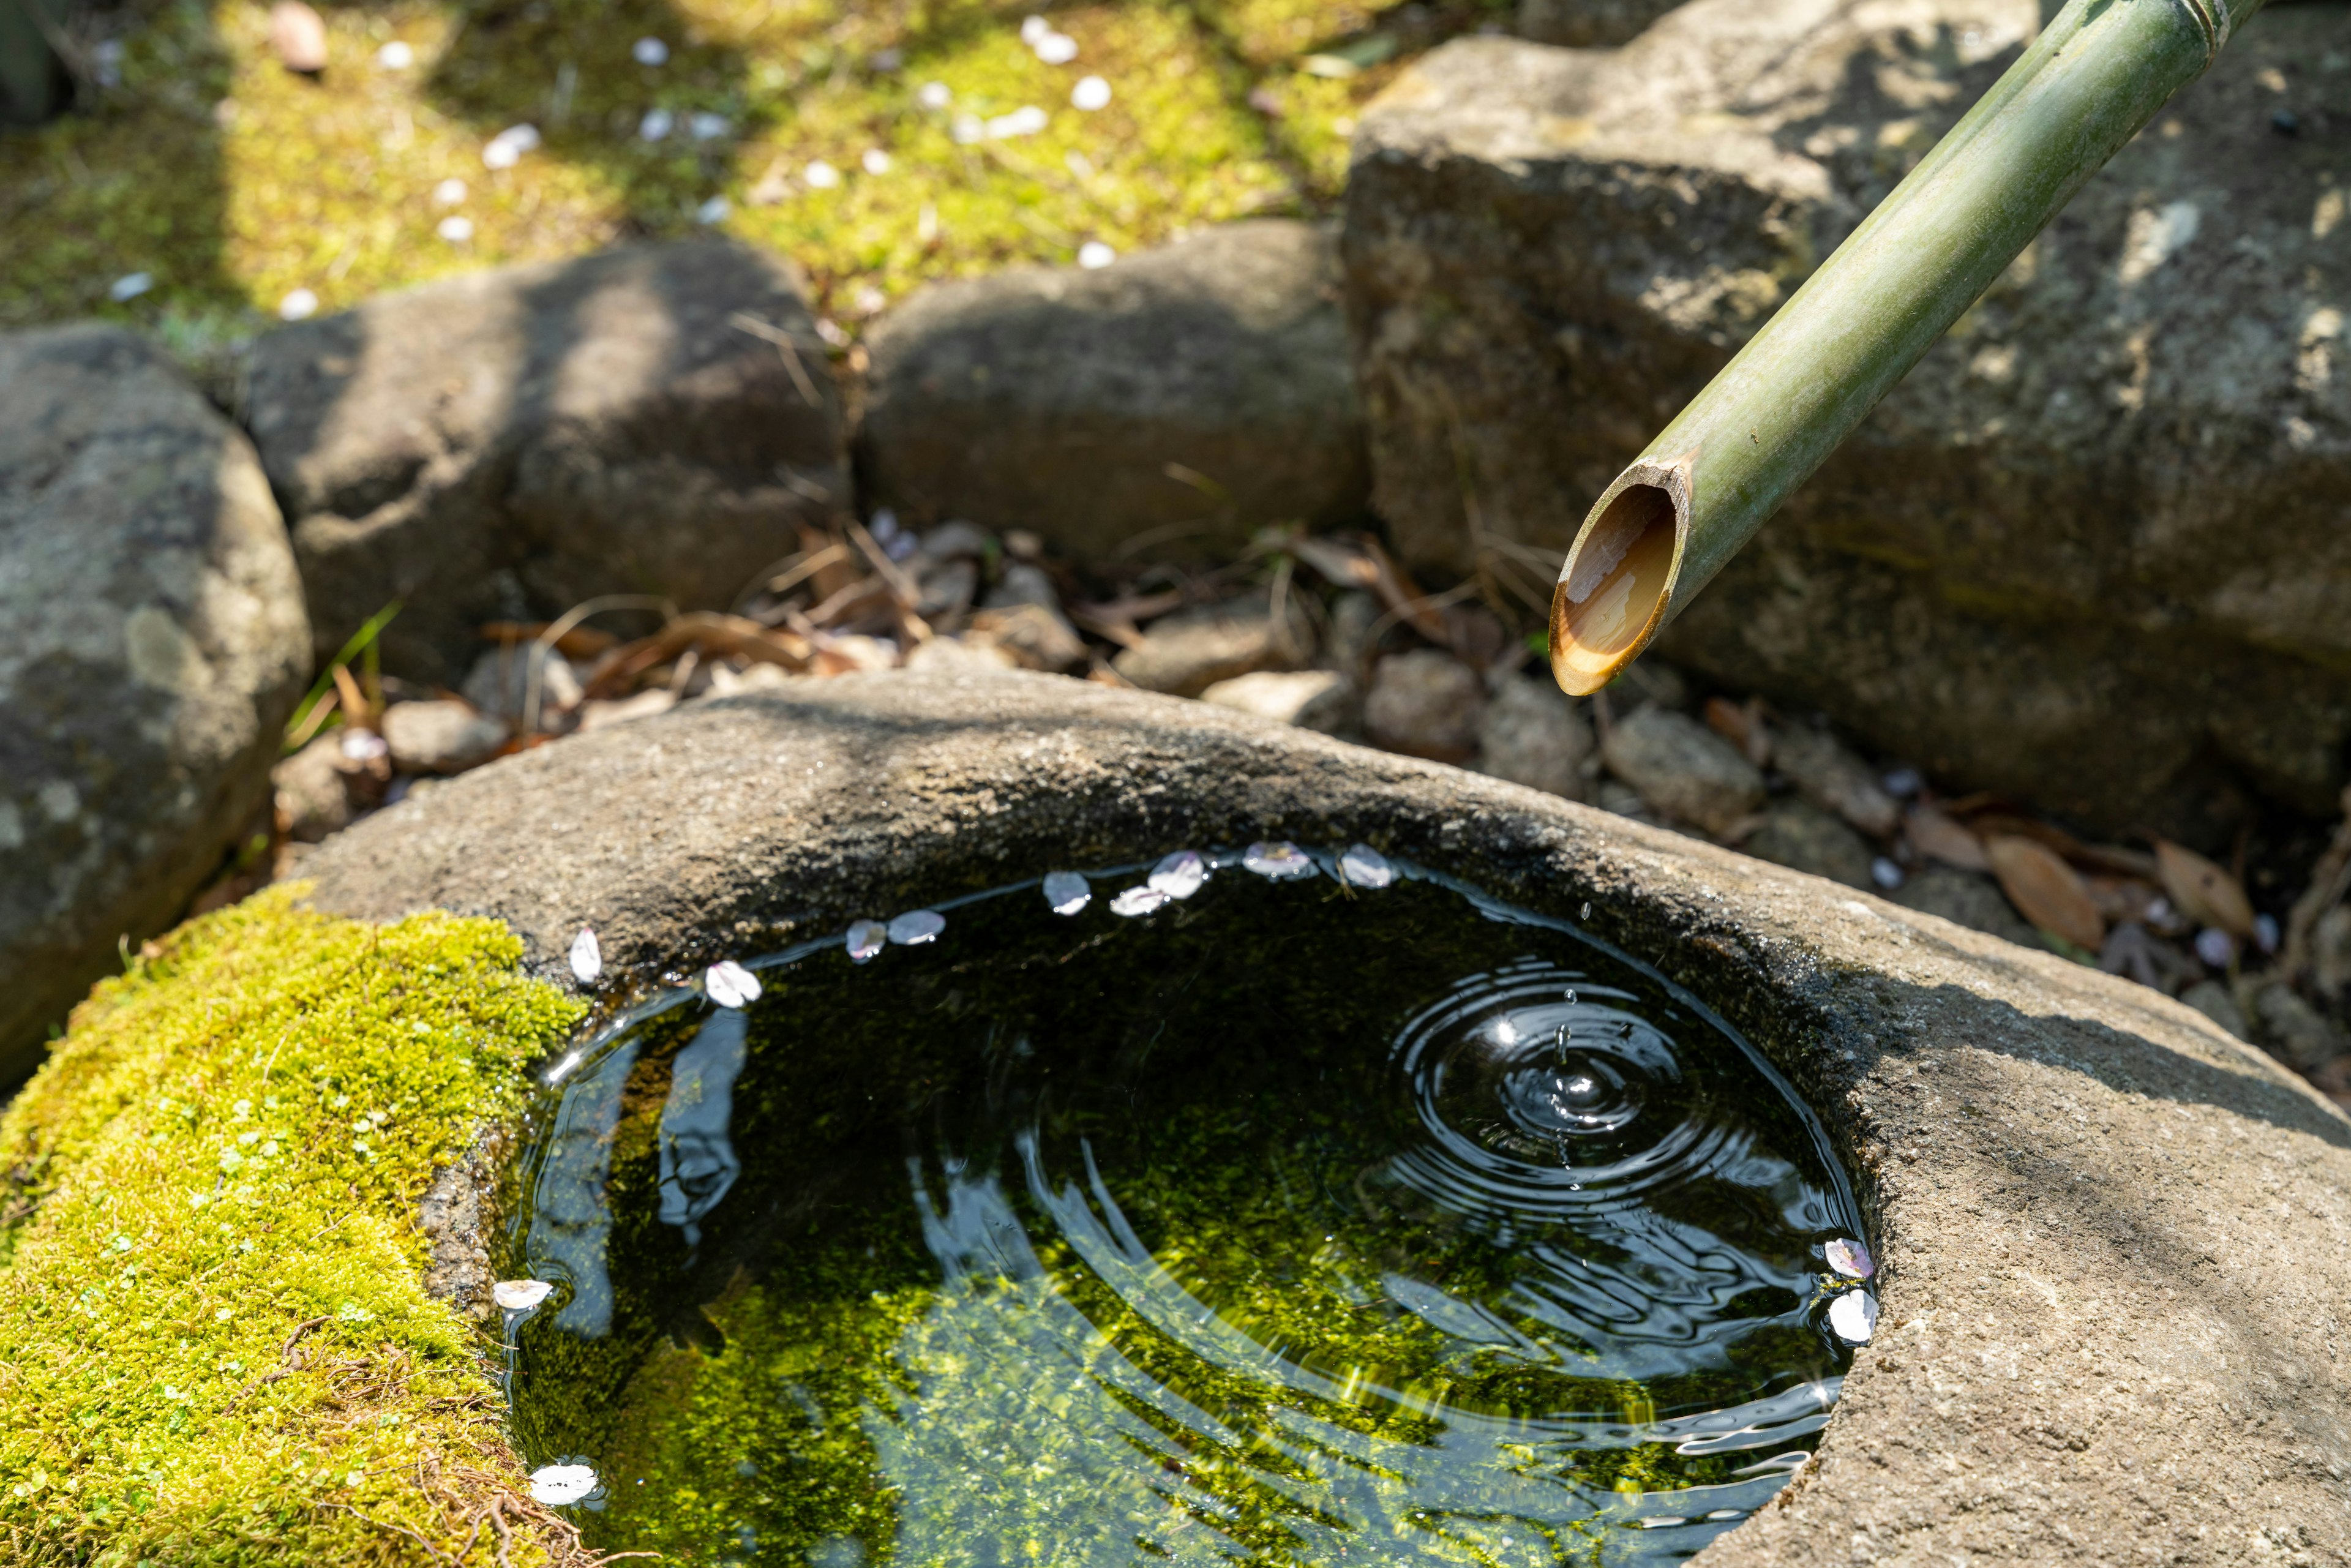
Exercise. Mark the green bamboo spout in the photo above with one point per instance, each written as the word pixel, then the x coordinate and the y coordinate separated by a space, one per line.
pixel 2098 73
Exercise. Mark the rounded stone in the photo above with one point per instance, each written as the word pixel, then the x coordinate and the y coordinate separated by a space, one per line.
pixel 2105 1233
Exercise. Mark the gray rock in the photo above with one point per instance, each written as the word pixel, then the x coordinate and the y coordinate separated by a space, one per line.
pixel 1587 23
pixel 1966 898
pixel 2212 999
pixel 312 796
pixel 1320 700
pixel 1425 704
pixel 2073 1185
pixel 1035 635
pixel 965 652
pixel 1683 770
pixel 505 445
pixel 1185 653
pixel 2290 1028
pixel 956 540
pixel 152 645
pixel 1022 583
pixel 2138 442
pixel 1532 734
pixel 1057 400
pixel 1801 836
pixel 499 684
pixel 1619 799
pixel 441 737
pixel 2330 952
pixel 1832 778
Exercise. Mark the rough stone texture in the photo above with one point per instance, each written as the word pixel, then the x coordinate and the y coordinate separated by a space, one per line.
pixel 1322 700
pixel 2089 553
pixel 1532 734
pixel 440 736
pixel 1425 704
pixel 1835 780
pixel 505 445
pixel 1054 398
pixel 2111 1238
pixel 152 644
pixel 1800 835
pixel 1683 768
pixel 500 681
pixel 1185 653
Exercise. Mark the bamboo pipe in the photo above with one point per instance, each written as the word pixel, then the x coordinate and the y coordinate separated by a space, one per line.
pixel 1657 537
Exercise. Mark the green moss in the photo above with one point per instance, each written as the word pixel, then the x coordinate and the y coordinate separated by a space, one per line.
pixel 232 182
pixel 223 1159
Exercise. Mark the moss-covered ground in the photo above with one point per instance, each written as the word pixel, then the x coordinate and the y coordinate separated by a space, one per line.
pixel 215 1346
pixel 230 182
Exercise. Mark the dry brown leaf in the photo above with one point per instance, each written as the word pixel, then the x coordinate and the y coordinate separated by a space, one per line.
pixel 1343 564
pixel 2045 890
pixel 2203 891
pixel 1938 837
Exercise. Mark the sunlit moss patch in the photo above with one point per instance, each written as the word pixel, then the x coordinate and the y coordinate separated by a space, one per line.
pixel 215 1344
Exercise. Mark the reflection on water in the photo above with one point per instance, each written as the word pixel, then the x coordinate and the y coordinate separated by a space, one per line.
pixel 1285 1223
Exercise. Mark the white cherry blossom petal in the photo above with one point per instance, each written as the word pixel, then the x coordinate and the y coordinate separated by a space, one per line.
pixel 556 1486
pixel 917 926
pixel 1363 866
pixel 1138 901
pixel 866 937
pixel 520 1295
pixel 1853 1316
pixel 1067 892
pixel 587 955
pixel 1278 858
pixel 1850 1259
pixel 1180 874
pixel 730 984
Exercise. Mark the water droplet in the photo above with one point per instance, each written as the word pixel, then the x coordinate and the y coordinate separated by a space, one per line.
pixel 555 1486
pixel 1853 1316
pixel 729 983
pixel 1067 892
pixel 587 955
pixel 1180 874
pixel 866 937
pixel 1363 866
pixel 1278 858
pixel 916 926
pixel 520 1295
pixel 1850 1259
pixel 1138 901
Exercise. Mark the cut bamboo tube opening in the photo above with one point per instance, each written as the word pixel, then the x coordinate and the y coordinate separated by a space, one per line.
pixel 2099 72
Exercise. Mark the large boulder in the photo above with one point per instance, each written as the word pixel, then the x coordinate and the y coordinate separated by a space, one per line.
pixel 656 420
pixel 2089 553
pixel 152 644
pixel 2108 1234
pixel 1191 393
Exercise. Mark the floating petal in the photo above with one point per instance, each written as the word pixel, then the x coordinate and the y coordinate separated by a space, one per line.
pixel 1180 874
pixel 866 937
pixel 1138 901
pixel 1089 94
pixel 520 1295
pixel 1363 866
pixel 1067 892
pixel 555 1486
pixel 1853 1316
pixel 1850 1259
pixel 1278 858
pixel 587 955
pixel 730 984
pixel 916 926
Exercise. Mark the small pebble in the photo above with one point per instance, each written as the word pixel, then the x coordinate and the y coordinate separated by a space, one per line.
pixel 1066 891
pixel 730 984
pixel 449 193
pixel 1853 1316
pixel 656 124
pixel 648 52
pixel 396 55
pixel 520 1295
pixel 555 1486
pixel 866 937
pixel 1138 901
pixel 587 955
pixel 1180 874
pixel 1363 866
pixel 1089 94
pixel 820 175
pixel 1094 255
pixel 129 286
pixel 875 160
pixel 455 229
pixel 298 306
pixel 917 926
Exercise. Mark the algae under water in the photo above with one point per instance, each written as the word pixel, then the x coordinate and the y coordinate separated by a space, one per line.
pixel 1279 1220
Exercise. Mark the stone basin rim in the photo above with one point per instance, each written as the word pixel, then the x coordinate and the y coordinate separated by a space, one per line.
pixel 2072 1184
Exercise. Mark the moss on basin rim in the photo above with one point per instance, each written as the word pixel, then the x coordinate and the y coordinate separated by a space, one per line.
pixel 215 1346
